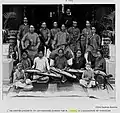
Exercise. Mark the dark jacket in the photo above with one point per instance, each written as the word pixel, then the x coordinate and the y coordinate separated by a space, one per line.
pixel 60 62
pixel 79 63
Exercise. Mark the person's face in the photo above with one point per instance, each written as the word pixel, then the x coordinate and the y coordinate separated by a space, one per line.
pixel 25 21
pixel 88 67
pixel 78 53
pixel 40 54
pixel 74 24
pixel 55 24
pixel 68 11
pixel 24 55
pixel 63 27
pixel 32 29
pixel 93 30
pixel 20 68
pixel 60 53
pixel 44 25
pixel 87 24
pixel 99 54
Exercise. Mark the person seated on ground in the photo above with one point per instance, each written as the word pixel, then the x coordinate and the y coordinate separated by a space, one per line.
pixel 79 60
pixel 88 77
pixel 41 63
pixel 19 79
pixel 100 70
pixel 79 63
pixel 60 62
pixel 26 62
pixel 100 64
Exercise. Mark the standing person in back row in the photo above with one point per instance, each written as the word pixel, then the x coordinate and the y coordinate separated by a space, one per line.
pixel 74 32
pixel 86 34
pixel 61 38
pixel 23 29
pixel 45 37
pixel 31 42
pixel 54 31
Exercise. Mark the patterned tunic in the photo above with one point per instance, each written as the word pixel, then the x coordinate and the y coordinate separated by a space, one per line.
pixel 34 43
pixel 54 31
pixel 74 36
pixel 19 75
pixel 45 34
pixel 61 38
pixel 74 33
pixel 84 38
pixel 23 29
pixel 95 42
pixel 26 63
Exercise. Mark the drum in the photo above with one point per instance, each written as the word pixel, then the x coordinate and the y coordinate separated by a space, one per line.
pixel 100 79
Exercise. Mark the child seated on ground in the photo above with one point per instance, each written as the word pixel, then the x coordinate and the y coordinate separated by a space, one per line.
pixel 88 77
pixel 20 80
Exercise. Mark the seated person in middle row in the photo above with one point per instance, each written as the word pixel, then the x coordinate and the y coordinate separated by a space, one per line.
pixel 79 60
pixel 26 62
pixel 79 63
pixel 100 64
pixel 41 63
pixel 60 62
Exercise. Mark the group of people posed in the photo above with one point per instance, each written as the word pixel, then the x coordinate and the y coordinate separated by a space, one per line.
pixel 62 48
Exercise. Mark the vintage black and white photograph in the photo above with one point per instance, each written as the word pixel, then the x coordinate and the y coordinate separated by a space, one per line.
pixel 59 50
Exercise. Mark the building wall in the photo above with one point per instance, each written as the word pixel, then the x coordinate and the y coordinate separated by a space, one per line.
pixel 19 15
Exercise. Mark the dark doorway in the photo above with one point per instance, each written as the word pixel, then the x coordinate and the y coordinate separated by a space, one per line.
pixel 41 13
pixel 38 13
